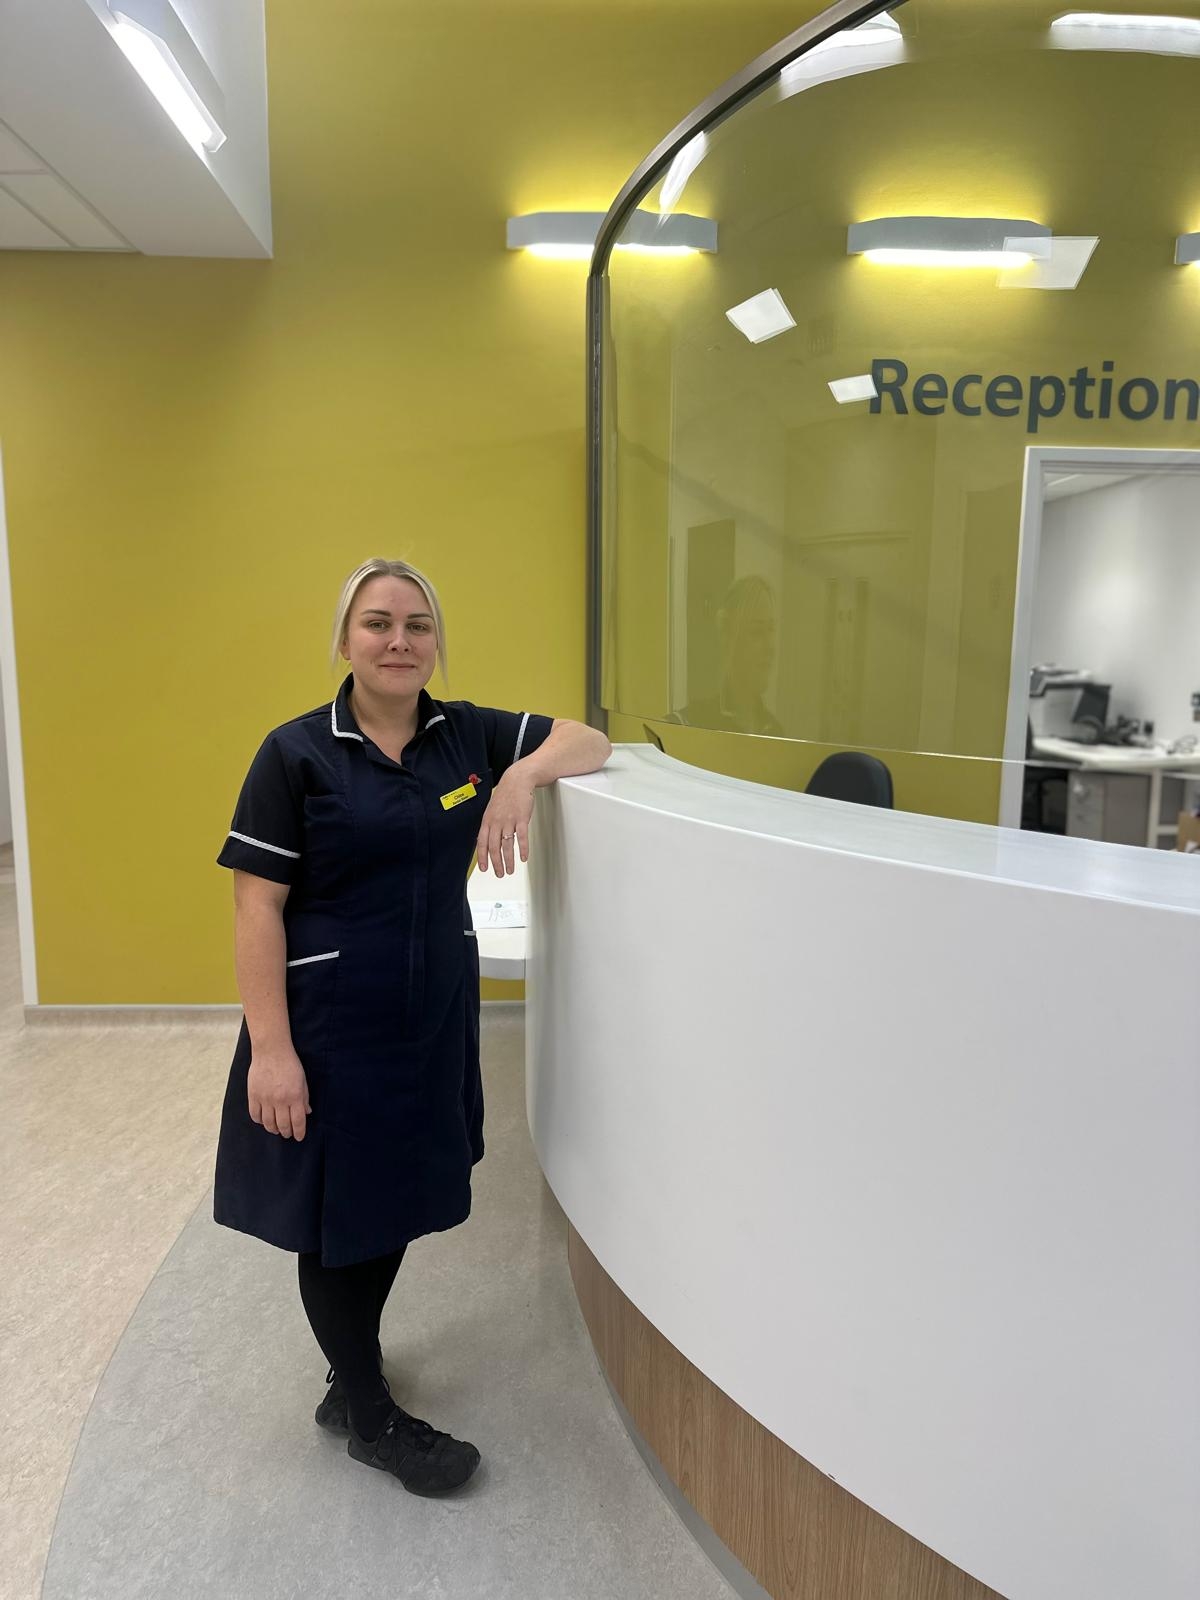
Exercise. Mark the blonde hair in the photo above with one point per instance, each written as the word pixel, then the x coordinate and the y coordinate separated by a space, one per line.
pixel 377 567
pixel 743 596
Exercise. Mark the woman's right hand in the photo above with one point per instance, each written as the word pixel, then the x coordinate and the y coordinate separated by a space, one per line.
pixel 278 1092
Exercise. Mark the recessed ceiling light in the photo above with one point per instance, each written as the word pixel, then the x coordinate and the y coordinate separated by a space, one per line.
pixel 152 37
pixel 762 316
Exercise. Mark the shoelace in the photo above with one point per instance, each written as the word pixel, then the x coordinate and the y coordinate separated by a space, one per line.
pixel 424 1433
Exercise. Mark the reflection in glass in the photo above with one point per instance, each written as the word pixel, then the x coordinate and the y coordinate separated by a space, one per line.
pixel 744 639
pixel 876 43
pixel 1101 30
pixel 762 317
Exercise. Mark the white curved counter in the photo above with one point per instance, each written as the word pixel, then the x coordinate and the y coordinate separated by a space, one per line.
pixel 891 1126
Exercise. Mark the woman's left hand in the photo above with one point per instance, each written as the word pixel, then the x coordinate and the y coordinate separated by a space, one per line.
pixel 506 825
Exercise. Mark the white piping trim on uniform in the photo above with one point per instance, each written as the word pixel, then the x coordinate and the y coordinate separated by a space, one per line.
pixel 303 961
pixel 337 732
pixel 275 849
pixel 469 933
pixel 521 736
pixel 439 718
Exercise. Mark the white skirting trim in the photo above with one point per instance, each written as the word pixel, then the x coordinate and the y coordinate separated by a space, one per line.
pixel 127 1016
pixel 124 1016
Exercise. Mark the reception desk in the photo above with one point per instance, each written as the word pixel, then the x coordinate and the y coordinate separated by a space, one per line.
pixel 879 1139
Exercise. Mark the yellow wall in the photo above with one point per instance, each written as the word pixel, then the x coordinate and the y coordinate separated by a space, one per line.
pixel 964 787
pixel 196 452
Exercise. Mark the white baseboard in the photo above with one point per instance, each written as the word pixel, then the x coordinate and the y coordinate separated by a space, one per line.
pixel 126 1016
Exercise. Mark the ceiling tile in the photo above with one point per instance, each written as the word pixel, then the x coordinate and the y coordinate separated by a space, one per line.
pixel 21 230
pixel 15 156
pixel 49 198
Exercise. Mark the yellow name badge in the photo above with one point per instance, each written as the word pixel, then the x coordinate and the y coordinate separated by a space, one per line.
pixel 457 796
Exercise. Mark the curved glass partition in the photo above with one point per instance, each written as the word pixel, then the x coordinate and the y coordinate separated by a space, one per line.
pixel 927 417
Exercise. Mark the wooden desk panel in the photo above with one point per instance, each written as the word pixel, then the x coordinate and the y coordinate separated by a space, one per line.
pixel 799 1534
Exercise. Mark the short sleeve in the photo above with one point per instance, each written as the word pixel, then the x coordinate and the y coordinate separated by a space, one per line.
pixel 268 824
pixel 512 735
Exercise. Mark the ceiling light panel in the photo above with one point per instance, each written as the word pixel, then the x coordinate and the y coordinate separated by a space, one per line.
pixel 1062 269
pixel 764 316
pixel 153 38
pixel 848 390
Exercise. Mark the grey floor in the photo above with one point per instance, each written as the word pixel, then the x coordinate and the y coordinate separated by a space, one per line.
pixel 199 1470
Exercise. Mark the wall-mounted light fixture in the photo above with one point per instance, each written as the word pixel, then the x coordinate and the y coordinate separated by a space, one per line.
pixel 1187 249
pixel 152 36
pixel 762 316
pixel 1101 30
pixel 571 235
pixel 997 242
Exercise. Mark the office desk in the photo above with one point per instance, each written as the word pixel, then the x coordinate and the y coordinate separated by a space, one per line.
pixel 1134 809
pixel 501 950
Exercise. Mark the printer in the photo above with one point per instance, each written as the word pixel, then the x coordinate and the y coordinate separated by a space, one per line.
pixel 1067 703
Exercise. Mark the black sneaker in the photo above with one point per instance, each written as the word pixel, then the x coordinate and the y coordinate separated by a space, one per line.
pixel 332 1414
pixel 425 1461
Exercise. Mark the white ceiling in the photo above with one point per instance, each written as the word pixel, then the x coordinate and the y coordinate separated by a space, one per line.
pixel 90 161
pixel 38 211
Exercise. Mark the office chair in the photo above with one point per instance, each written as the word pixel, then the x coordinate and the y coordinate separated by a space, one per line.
pixel 1043 792
pixel 855 776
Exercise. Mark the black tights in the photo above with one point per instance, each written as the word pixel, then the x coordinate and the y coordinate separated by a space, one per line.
pixel 343 1306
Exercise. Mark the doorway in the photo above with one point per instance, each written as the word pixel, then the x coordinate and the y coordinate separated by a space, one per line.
pixel 14 832
pixel 1106 652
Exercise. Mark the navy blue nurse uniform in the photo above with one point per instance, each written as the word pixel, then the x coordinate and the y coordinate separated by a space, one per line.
pixel 382 976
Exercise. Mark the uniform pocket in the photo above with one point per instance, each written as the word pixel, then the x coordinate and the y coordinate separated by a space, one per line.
pixel 311 987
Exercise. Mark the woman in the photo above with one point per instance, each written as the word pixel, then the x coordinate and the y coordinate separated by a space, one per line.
pixel 354 1111
pixel 746 640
